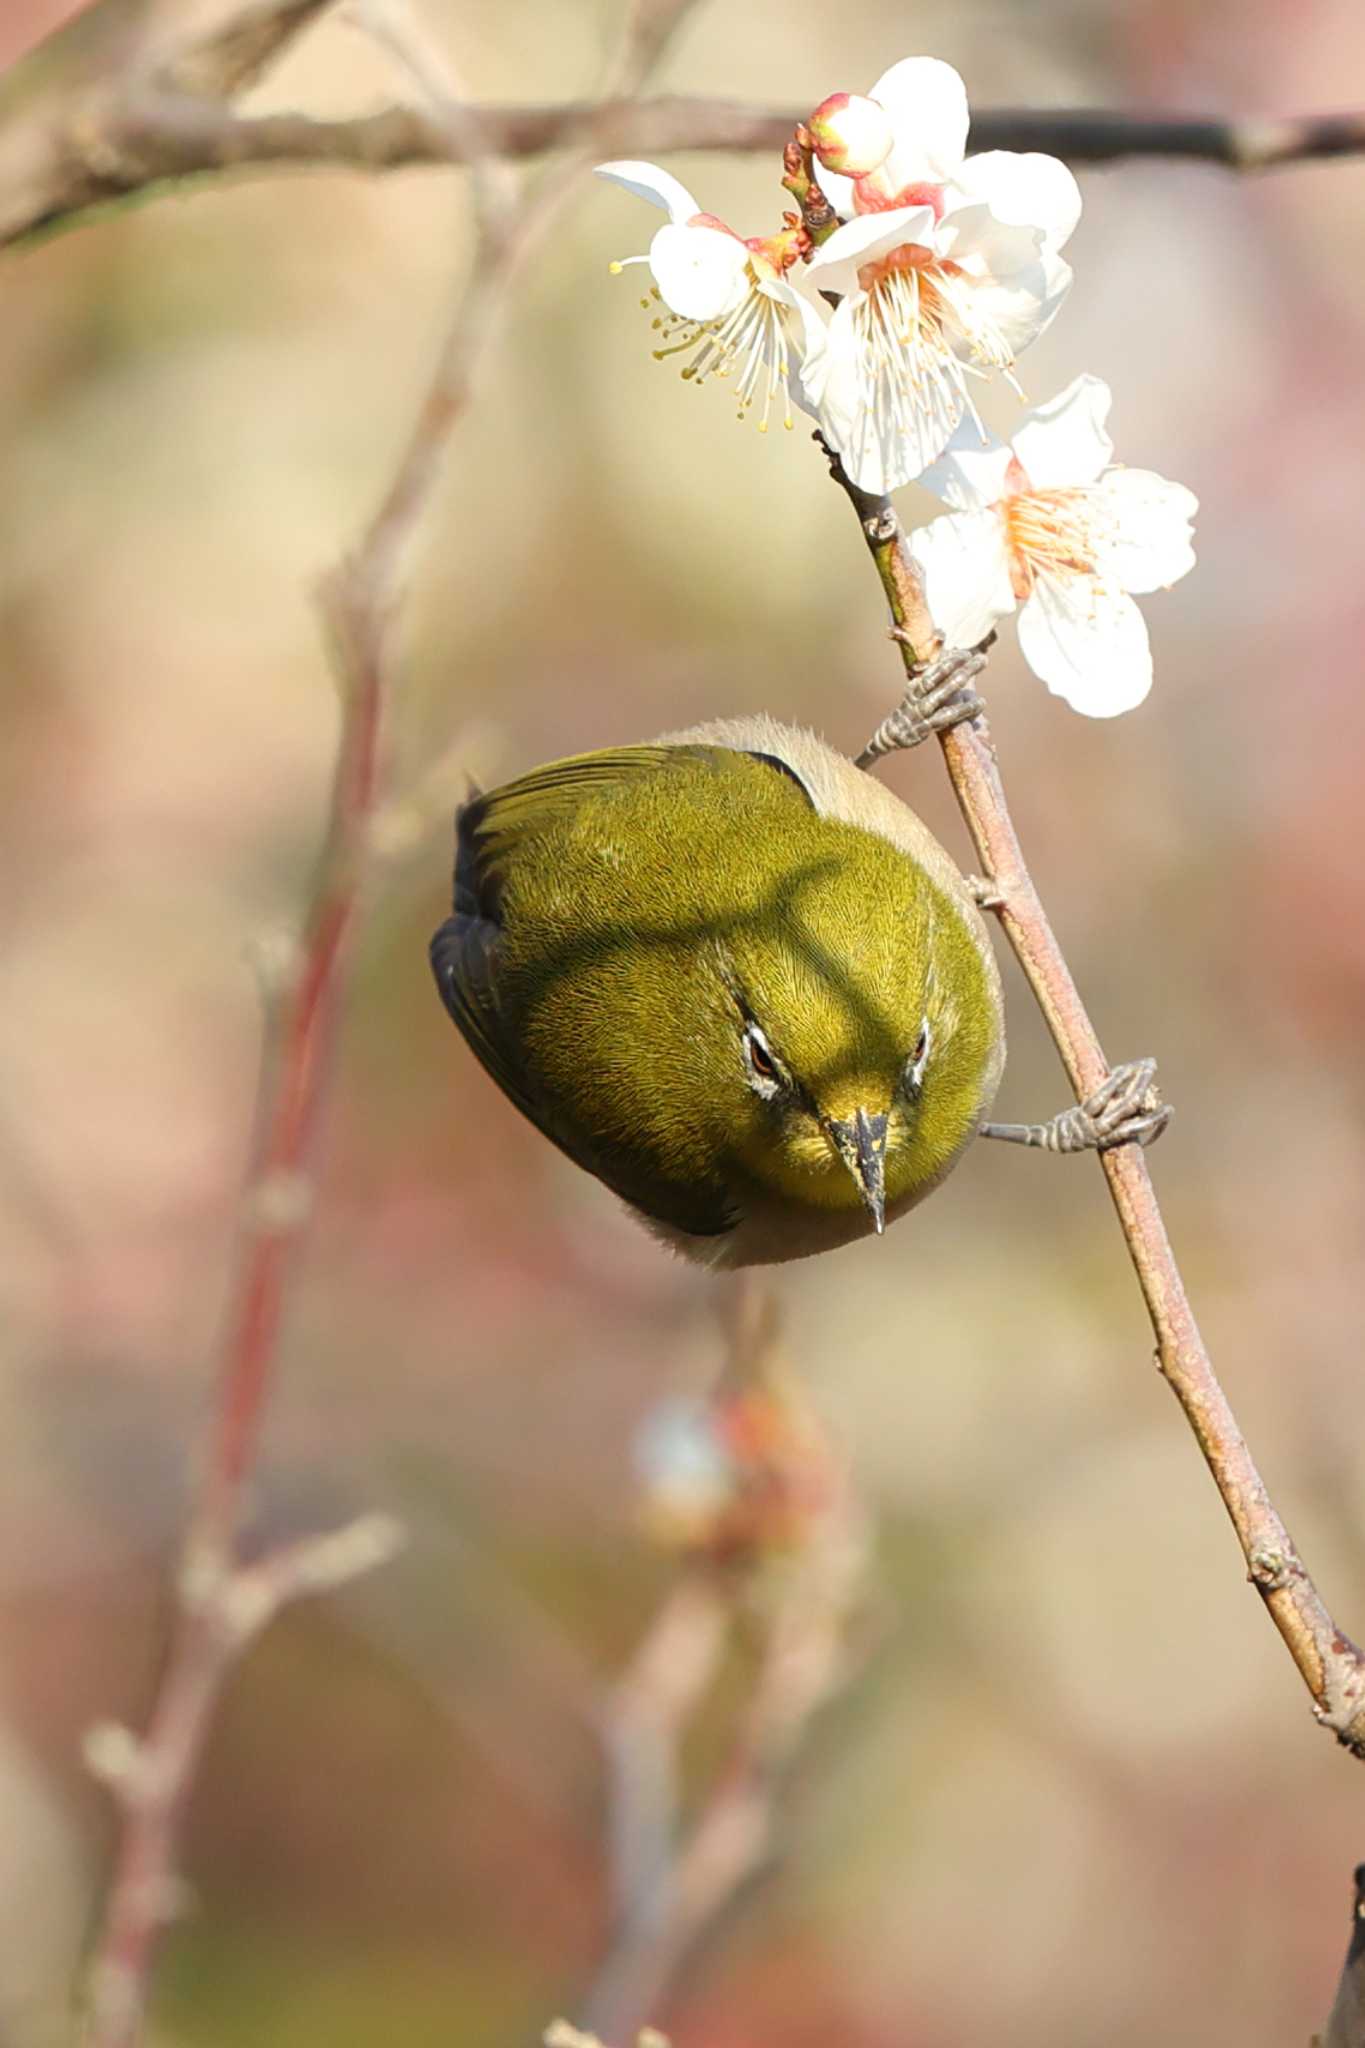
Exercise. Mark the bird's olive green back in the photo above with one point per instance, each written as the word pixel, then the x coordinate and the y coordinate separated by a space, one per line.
pixel 618 916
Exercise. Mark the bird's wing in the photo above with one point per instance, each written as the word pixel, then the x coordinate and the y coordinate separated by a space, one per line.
pixel 490 828
pixel 465 957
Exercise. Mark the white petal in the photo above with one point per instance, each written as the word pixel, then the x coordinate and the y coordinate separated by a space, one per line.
pixel 1088 642
pixel 1151 544
pixel 989 320
pixel 807 331
pixel 837 189
pixel 862 240
pixel 700 271
pixel 1024 190
pixel 1064 442
pixel 1002 283
pixel 647 181
pixel 927 102
pixel 888 420
pixel 966 574
pixel 970 474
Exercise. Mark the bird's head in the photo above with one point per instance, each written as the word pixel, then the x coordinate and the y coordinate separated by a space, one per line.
pixel 861 1032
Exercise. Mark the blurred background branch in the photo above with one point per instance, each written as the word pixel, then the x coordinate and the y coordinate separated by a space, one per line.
pixel 67 147
pixel 224 1602
pixel 778 1553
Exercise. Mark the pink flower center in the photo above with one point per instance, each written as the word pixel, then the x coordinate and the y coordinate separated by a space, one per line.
pixel 873 194
pixel 1055 532
pixel 774 255
pixel 909 256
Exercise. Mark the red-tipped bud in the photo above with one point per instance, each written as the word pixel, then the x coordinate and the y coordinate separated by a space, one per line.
pixel 851 134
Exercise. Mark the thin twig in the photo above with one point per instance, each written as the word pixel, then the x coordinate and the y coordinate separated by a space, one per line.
pixel 224 1602
pixel 684 1895
pixel 1329 1662
pixel 672 1886
pixel 73 155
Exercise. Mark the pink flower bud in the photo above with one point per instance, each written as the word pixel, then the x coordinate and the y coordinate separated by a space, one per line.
pixel 852 135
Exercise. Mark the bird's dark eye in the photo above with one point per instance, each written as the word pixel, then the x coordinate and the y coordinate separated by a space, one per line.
pixel 760 1059
pixel 765 1071
pixel 915 1065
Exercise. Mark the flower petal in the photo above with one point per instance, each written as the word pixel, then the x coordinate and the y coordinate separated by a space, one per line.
pixel 970 474
pixel 647 181
pixel 1151 545
pixel 1024 189
pixel 1019 282
pixel 1088 642
pixel 837 189
pixel 871 235
pixel 966 574
pixel 700 271
pixel 889 415
pixel 1064 442
pixel 927 102
pixel 807 332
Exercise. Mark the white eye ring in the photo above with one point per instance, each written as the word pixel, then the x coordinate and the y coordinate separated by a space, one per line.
pixel 764 1072
pixel 919 1058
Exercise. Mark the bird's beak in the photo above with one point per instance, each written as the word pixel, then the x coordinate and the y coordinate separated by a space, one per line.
pixel 860 1141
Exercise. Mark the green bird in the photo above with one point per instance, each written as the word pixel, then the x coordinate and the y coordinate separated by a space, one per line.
pixel 732 976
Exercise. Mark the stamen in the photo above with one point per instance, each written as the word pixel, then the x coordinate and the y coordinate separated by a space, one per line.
pixel 922 337
pixel 1058 532
pixel 749 343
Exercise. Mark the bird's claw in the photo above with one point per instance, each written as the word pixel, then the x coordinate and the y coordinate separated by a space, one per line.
pixel 937 697
pixel 1126 1109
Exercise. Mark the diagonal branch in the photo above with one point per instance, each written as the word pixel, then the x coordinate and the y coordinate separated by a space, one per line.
pixel 1330 1664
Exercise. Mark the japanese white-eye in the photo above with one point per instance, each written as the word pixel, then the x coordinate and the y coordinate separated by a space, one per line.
pixel 731 975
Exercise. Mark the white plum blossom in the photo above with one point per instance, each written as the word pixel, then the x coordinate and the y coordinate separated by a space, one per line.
pixel 729 307
pixel 947 267
pixel 1047 523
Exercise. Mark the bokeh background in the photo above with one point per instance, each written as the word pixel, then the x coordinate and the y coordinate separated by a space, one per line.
pixel 1075 1793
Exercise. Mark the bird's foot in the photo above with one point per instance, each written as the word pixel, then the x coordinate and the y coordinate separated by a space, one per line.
pixel 1126 1109
pixel 937 697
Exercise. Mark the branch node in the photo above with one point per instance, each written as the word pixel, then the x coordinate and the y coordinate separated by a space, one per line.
pixel 114 1755
pixel 987 894
pixel 202 1580
pixel 1269 1569
pixel 275 957
pixel 280 1202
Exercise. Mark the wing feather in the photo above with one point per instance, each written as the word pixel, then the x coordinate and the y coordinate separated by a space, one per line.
pixel 466 957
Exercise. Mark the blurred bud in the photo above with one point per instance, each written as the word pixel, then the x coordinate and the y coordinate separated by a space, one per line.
pixel 746 1475
pixel 851 135
pixel 687 1476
